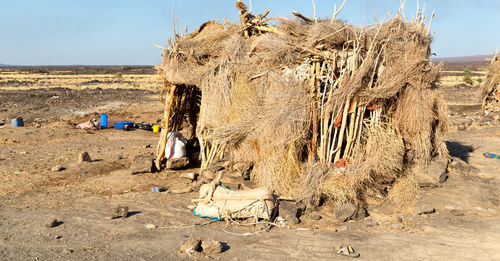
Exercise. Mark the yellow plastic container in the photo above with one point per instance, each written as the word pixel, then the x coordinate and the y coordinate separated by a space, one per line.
pixel 156 128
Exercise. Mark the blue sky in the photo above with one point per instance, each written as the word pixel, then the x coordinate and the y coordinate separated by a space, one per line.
pixel 119 32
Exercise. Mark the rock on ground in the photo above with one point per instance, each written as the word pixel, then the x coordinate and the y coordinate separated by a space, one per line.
pixel 191 245
pixel 432 176
pixel 84 157
pixel 142 164
pixel 177 163
pixel 290 211
pixel 190 175
pixel 57 168
pixel 423 209
pixel 120 212
pixel 211 247
pixel 463 167
pixel 51 223
pixel 314 216
pixel 243 168
pixel 349 211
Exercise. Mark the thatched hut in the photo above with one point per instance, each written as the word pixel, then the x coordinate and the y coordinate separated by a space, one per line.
pixel 490 89
pixel 322 108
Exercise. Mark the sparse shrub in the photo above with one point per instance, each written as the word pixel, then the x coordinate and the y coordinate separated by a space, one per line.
pixel 479 80
pixel 468 77
pixel 118 75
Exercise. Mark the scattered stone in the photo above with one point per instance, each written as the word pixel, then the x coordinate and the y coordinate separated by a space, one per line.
pixel 210 172
pixel 207 174
pixel 362 213
pixel 196 186
pixel 68 251
pixel 177 163
pixel 397 226
pixel 346 251
pixel 146 146
pixel 52 223
pixel 432 176
pixel 211 247
pixel 180 188
pixel 349 211
pixel 142 164
pixel 289 211
pixel 369 222
pixel 151 226
pixel 439 170
pixel 463 167
pixel 244 168
pixel 457 213
pixel 247 184
pixel 423 209
pixel 400 220
pixel 57 168
pixel 118 157
pixel 190 175
pixel 314 216
pixel 84 157
pixel 345 212
pixel 120 212
pixel 191 245
pixel 232 185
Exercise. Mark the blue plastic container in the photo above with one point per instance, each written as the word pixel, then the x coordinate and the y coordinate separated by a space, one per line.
pixel 104 121
pixel 491 155
pixel 17 122
pixel 120 125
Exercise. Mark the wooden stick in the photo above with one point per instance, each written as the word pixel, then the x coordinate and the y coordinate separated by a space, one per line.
pixel 271 19
pixel 315 15
pixel 484 103
pixel 270 29
pixel 352 123
pixel 166 118
pixel 160 47
pixel 342 130
pixel 430 21
pixel 163 133
pixel 305 19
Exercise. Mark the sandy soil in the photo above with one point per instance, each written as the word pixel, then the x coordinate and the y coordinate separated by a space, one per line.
pixel 466 225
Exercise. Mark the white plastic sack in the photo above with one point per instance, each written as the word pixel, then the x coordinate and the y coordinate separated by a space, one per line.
pixel 225 203
pixel 176 146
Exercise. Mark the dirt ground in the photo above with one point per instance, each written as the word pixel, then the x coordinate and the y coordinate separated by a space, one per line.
pixel 466 225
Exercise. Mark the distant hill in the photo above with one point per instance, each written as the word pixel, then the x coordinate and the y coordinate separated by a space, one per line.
pixel 464 59
pixel 473 62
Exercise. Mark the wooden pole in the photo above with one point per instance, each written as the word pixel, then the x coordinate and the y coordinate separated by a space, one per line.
pixel 164 133
pixel 342 130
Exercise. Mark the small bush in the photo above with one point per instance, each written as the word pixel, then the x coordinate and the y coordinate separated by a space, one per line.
pixel 479 80
pixel 468 77
pixel 118 75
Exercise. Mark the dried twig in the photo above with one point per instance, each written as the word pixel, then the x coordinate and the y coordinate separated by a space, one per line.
pixel 159 47
pixel 304 18
pixel 336 12
pixel 315 15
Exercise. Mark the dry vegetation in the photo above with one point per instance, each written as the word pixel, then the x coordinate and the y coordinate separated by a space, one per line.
pixel 64 78
pixel 491 87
